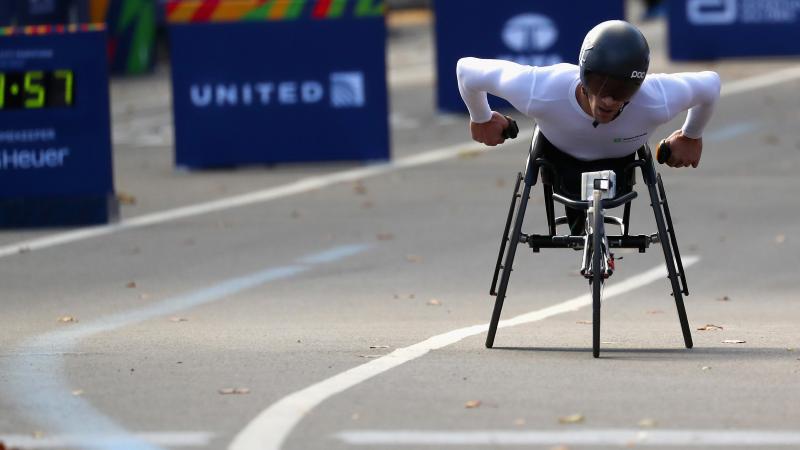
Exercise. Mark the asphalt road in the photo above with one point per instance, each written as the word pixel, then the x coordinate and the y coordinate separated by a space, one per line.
pixel 296 320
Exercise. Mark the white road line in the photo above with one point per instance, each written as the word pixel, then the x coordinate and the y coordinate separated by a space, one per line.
pixel 36 367
pixel 609 437
pixel 270 428
pixel 313 183
pixel 760 81
pixel 265 195
pixel 61 441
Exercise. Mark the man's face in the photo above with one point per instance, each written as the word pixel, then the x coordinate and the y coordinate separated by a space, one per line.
pixel 607 95
pixel 604 108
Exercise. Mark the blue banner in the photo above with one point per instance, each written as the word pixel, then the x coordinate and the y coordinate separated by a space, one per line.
pixel 710 29
pixel 55 130
pixel 263 92
pixel 532 32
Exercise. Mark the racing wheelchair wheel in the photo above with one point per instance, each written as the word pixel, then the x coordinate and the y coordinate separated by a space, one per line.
pixel 597 279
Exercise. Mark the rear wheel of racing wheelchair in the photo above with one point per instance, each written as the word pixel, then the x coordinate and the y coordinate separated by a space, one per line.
pixel 598 279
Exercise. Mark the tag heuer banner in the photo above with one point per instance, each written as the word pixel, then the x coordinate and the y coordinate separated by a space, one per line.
pixel 55 127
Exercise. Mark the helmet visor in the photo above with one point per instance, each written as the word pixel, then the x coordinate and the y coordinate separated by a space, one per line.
pixel 602 85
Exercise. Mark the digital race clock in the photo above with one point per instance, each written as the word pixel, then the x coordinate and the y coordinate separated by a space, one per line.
pixel 55 127
pixel 37 89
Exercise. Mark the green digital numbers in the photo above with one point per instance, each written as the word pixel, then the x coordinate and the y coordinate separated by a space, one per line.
pixel 37 89
pixel 67 76
pixel 34 89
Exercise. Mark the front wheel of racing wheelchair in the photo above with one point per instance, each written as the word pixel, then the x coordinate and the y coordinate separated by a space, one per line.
pixel 597 263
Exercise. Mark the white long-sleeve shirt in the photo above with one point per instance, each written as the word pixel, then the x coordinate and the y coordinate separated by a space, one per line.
pixel 547 94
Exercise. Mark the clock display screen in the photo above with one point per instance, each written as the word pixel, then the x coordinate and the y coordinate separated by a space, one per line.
pixel 35 89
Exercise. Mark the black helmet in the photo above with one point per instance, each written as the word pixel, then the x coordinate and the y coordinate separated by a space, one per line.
pixel 614 59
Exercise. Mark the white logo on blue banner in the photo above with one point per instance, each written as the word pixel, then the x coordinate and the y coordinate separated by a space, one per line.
pixel 530 32
pixel 711 12
pixel 347 90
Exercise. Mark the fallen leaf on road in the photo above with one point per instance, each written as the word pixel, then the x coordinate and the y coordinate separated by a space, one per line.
pixel 355 416
pixel 733 341
pixel 144 296
pixel 131 285
pixel 519 422
pixel 77 392
pixel 359 188
pixel 724 298
pixel 710 327
pixel 67 319
pixel 572 418
pixel 771 139
pixel 655 311
pixel 466 154
pixel 234 391
pixel 780 239
pixel 178 319
pixel 413 258
pixel 379 346
pixel 647 423
pixel 126 199
pixel 472 404
pixel 37 434
pixel 500 183
pixel 584 322
pixel 434 302
pixel 385 236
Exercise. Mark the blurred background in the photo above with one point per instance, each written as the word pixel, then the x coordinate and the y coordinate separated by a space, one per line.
pixel 223 84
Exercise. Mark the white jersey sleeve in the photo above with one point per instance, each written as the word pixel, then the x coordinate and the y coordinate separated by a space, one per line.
pixel 511 81
pixel 695 91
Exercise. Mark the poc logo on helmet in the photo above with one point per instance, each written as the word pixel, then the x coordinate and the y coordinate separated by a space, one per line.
pixel 637 74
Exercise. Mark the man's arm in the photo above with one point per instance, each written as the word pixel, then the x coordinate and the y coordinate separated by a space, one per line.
pixel 697 92
pixel 476 78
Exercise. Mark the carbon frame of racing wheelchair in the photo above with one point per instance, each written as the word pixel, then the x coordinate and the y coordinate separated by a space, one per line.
pixel 512 234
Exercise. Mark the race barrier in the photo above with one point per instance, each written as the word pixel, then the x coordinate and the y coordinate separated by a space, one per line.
pixel 55 127
pixel 711 29
pixel 263 82
pixel 532 32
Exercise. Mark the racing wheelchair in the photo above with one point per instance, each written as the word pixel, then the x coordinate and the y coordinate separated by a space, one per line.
pixel 598 261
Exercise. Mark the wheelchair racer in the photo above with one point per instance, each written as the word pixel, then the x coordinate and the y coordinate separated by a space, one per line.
pixel 593 116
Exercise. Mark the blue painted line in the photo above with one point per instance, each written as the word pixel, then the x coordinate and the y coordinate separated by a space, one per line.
pixel 334 254
pixel 37 388
pixel 730 131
